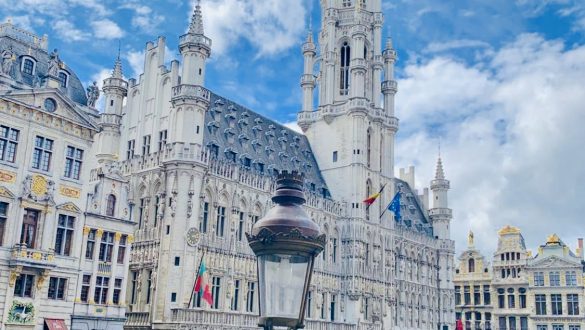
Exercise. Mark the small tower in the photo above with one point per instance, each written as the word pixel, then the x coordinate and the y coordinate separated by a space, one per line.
pixel 440 213
pixel 308 79
pixel 389 86
pixel 115 89
pixel 195 49
pixel 190 99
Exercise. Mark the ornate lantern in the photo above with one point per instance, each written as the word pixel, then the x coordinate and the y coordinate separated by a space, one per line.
pixel 286 242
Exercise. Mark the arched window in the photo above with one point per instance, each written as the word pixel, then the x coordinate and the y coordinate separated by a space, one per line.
pixel 63 77
pixel 28 66
pixel 111 205
pixel 344 69
pixel 471 265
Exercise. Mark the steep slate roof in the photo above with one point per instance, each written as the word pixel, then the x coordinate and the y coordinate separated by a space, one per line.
pixel 413 215
pixel 22 44
pixel 235 133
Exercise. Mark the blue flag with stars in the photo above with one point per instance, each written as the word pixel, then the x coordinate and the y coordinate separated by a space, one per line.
pixel 395 206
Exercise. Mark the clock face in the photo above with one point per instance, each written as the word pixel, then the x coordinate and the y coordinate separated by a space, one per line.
pixel 192 236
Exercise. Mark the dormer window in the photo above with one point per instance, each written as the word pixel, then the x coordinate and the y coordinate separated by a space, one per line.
pixel 63 79
pixel 28 65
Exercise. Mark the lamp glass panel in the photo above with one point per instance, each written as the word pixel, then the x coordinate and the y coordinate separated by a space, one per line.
pixel 283 278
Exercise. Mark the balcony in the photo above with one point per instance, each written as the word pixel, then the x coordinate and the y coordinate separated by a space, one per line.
pixel 137 320
pixel 105 268
pixel 190 92
pixel 23 256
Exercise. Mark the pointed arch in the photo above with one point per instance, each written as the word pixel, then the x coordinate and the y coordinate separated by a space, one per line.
pixel 345 58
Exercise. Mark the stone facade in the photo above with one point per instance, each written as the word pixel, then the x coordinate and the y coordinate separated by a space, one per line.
pixel 519 291
pixel 52 196
pixel 173 173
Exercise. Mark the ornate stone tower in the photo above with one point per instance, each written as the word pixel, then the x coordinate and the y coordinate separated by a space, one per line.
pixel 190 100
pixel 351 131
pixel 115 89
pixel 441 216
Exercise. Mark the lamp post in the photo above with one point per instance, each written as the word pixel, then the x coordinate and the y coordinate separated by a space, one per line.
pixel 285 242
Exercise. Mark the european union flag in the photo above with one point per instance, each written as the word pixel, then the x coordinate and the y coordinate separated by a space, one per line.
pixel 395 206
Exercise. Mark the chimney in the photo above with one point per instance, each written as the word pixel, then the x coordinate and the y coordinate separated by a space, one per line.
pixel 580 248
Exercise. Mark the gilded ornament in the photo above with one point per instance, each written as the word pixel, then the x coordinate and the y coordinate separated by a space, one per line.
pixel 69 191
pixel 7 176
pixel 117 237
pixel 99 232
pixel 86 230
pixel 39 185
pixel 509 230
pixel 130 239
pixel 36 255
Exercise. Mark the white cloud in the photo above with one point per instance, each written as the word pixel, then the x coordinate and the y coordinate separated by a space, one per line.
pixel 294 126
pixel 68 32
pixel 456 44
pixel 106 29
pixel 270 26
pixel 136 61
pixel 144 18
pixel 511 130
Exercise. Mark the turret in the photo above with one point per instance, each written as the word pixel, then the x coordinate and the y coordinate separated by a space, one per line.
pixel 389 86
pixel 115 89
pixel 307 79
pixel 440 213
pixel 195 49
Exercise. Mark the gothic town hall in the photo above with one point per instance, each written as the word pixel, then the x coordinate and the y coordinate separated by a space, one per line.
pixel 105 213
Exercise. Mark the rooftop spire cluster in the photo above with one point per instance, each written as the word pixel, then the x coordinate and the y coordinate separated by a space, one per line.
pixel 196 26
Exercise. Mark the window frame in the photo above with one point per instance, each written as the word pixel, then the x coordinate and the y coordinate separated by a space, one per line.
pixel 42 154
pixel 57 288
pixel 73 162
pixel 63 77
pixel 23 66
pixel 100 295
pixel 64 237
pixel 4 209
pixel 8 143
pixel 25 285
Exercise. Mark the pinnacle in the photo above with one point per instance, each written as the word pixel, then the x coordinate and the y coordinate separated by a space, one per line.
pixel 117 73
pixel 439 174
pixel 196 26
pixel 389 44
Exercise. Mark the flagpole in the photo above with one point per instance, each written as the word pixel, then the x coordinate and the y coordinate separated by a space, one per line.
pixel 196 278
pixel 379 192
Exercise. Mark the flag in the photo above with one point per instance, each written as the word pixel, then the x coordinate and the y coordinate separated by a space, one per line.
pixel 202 284
pixel 370 200
pixel 394 206
pixel 459 325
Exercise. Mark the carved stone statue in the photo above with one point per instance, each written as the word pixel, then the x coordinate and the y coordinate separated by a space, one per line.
pixel 7 61
pixel 470 239
pixel 93 93
pixel 54 64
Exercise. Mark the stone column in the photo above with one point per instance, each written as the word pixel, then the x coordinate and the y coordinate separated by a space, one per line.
pixel 110 297
pixel 129 241
pixel 86 231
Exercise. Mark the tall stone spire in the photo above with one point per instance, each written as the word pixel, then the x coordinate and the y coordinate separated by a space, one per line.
pixel 117 72
pixel 439 173
pixel 196 26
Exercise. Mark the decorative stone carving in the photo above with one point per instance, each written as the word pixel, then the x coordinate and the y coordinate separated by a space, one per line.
pixel 93 93
pixel 21 312
pixel 54 64
pixel 7 61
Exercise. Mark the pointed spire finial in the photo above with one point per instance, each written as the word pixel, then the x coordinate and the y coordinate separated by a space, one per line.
pixel 117 72
pixel 196 26
pixel 439 174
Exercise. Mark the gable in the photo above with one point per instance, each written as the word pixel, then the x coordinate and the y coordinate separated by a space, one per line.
pixel 6 193
pixel 553 262
pixel 69 207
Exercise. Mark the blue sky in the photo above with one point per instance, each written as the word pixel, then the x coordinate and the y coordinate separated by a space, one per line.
pixel 500 82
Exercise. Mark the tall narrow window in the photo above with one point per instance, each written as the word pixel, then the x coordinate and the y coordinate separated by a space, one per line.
pixel 555 278
pixel 29 228
pixel 215 291
pixel 220 223
pixel 476 295
pixel 117 291
pixel 332 307
pixel 85 284
pixel 467 295
pixel 540 304
pixel 142 208
pixel 556 304
pixel 111 205
pixel 334 250
pixel 106 247
pixel 335 156
pixel 42 154
pixel 538 279
pixel 571 278
pixel 486 295
pixel 134 287
pixel 122 249
pixel 130 150
pixel 241 227
pixel 3 217
pixel 145 145
pixel 73 160
pixel 250 296
pixel 457 295
pixel 309 304
pixel 471 265
pixel 573 304
pixel 344 69
pixel 162 139
pixel 148 286
pixel 204 218
pixel 101 290
pixel 8 143
pixel 64 234
pixel 90 244
pixel 236 296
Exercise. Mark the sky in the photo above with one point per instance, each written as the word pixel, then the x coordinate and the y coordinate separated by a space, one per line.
pixel 500 83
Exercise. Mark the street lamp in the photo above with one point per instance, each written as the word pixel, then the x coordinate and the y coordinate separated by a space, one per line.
pixel 285 242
